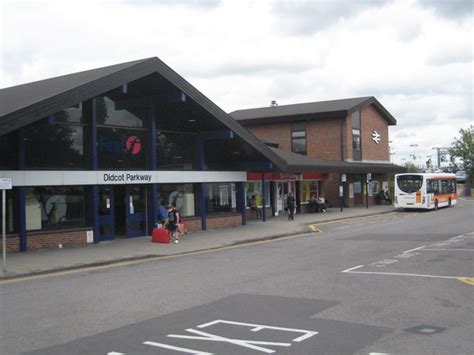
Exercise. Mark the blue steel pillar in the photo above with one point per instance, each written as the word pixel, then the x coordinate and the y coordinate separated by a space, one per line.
pixel 242 201
pixel 152 188
pixel 264 218
pixel 202 186
pixel 94 190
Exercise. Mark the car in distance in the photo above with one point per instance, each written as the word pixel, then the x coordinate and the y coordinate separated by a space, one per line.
pixel 461 176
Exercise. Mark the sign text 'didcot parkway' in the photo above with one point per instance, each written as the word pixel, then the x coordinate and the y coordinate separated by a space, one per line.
pixel 126 177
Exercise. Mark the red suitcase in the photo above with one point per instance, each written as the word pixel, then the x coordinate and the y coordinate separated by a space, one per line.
pixel 160 235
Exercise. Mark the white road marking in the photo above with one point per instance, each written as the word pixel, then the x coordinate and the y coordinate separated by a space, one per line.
pixel 240 342
pixel 353 268
pixel 258 327
pixel 407 251
pixel 403 274
pixel 452 249
pixel 171 347
pixel 115 353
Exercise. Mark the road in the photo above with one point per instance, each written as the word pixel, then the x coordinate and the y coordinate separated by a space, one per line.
pixel 399 283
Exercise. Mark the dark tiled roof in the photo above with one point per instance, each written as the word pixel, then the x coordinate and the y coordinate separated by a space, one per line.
pixel 320 109
pixel 298 163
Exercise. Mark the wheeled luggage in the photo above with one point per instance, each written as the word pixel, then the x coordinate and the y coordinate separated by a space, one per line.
pixel 160 235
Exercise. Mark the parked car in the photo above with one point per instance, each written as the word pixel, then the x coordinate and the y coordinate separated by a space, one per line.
pixel 461 176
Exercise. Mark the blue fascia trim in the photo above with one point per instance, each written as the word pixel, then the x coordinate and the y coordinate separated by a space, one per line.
pixel 22 218
pixel 95 212
pixel 125 89
pixel 256 166
pixel 153 207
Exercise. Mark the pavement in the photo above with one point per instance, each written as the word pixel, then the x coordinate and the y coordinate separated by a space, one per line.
pixel 45 261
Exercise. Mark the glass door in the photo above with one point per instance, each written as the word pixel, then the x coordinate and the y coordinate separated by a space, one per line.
pixel 106 213
pixel 135 208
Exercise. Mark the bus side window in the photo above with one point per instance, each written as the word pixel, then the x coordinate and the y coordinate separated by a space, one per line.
pixel 432 186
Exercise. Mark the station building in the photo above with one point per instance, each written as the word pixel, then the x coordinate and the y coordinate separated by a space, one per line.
pixel 93 154
pixel 338 149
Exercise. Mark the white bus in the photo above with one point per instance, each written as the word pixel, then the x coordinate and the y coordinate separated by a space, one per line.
pixel 426 191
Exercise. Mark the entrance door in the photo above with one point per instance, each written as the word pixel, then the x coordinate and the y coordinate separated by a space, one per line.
pixel 106 213
pixel 136 210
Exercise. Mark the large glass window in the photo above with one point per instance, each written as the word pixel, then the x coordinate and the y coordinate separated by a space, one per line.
pixel 9 151
pixel 175 150
pixel 255 188
pixel 119 109
pixel 49 144
pixel 356 150
pixel 221 197
pixel 119 148
pixel 10 215
pixel 298 138
pixel 54 207
pixel 308 189
pixel 409 183
pixel 182 195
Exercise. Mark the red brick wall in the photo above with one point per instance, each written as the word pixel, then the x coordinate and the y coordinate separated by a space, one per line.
pixel 323 139
pixel 51 239
pixel 13 243
pixel 214 222
pixel 370 121
pixel 279 133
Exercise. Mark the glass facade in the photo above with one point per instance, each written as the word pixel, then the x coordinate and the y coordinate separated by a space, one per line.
pixel 182 195
pixel 52 145
pixel 55 207
pixel 119 109
pixel 10 221
pixel 9 148
pixel 221 198
pixel 121 148
pixel 175 150
pixel 356 145
pixel 255 188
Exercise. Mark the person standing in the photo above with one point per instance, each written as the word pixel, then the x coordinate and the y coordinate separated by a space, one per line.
pixel 162 213
pixel 254 207
pixel 172 222
pixel 290 203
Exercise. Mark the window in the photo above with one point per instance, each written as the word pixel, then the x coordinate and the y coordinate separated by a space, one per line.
pixel 409 183
pixel 175 150
pixel 308 189
pixel 255 188
pixel 356 151
pixel 120 148
pixel 9 149
pixel 10 214
pixel 54 207
pixel 298 138
pixel 118 109
pixel 51 144
pixel 182 195
pixel 221 197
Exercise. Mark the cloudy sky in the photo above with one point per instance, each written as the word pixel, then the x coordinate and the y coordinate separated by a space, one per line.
pixel 415 56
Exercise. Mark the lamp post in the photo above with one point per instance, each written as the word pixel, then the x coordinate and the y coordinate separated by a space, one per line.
pixel 414 152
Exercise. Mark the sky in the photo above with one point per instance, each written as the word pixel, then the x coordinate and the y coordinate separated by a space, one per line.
pixel 415 56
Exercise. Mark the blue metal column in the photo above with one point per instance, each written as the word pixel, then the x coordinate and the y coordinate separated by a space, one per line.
pixel 152 164
pixel 21 195
pixel 264 218
pixel 241 201
pixel 202 186
pixel 94 190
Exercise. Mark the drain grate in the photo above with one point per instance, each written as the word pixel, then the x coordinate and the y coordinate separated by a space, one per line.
pixel 425 329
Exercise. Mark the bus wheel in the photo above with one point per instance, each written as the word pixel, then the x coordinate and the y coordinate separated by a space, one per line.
pixel 436 205
pixel 449 202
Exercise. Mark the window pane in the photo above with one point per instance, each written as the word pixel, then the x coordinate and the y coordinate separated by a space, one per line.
pixel 122 110
pixel 70 114
pixel 121 148
pixel 54 207
pixel 221 197
pixel 356 119
pixel 9 149
pixel 182 195
pixel 54 146
pixel 298 134
pixel 356 142
pixel 299 145
pixel 10 214
pixel 175 151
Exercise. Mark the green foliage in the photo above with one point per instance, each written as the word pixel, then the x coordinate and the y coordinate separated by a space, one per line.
pixel 463 149
pixel 411 168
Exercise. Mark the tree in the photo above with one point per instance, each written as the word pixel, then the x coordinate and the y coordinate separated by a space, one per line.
pixel 463 148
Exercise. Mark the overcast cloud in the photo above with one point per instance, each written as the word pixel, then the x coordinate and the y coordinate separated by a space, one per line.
pixel 415 56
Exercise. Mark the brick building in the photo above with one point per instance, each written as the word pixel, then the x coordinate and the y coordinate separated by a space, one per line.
pixel 329 146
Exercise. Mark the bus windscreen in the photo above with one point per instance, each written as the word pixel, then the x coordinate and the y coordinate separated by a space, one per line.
pixel 409 183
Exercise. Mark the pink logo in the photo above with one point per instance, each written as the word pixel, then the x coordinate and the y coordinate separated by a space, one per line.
pixel 133 144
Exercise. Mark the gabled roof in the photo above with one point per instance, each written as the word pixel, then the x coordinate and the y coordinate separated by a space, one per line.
pixel 24 104
pixel 310 110
pixel 298 163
